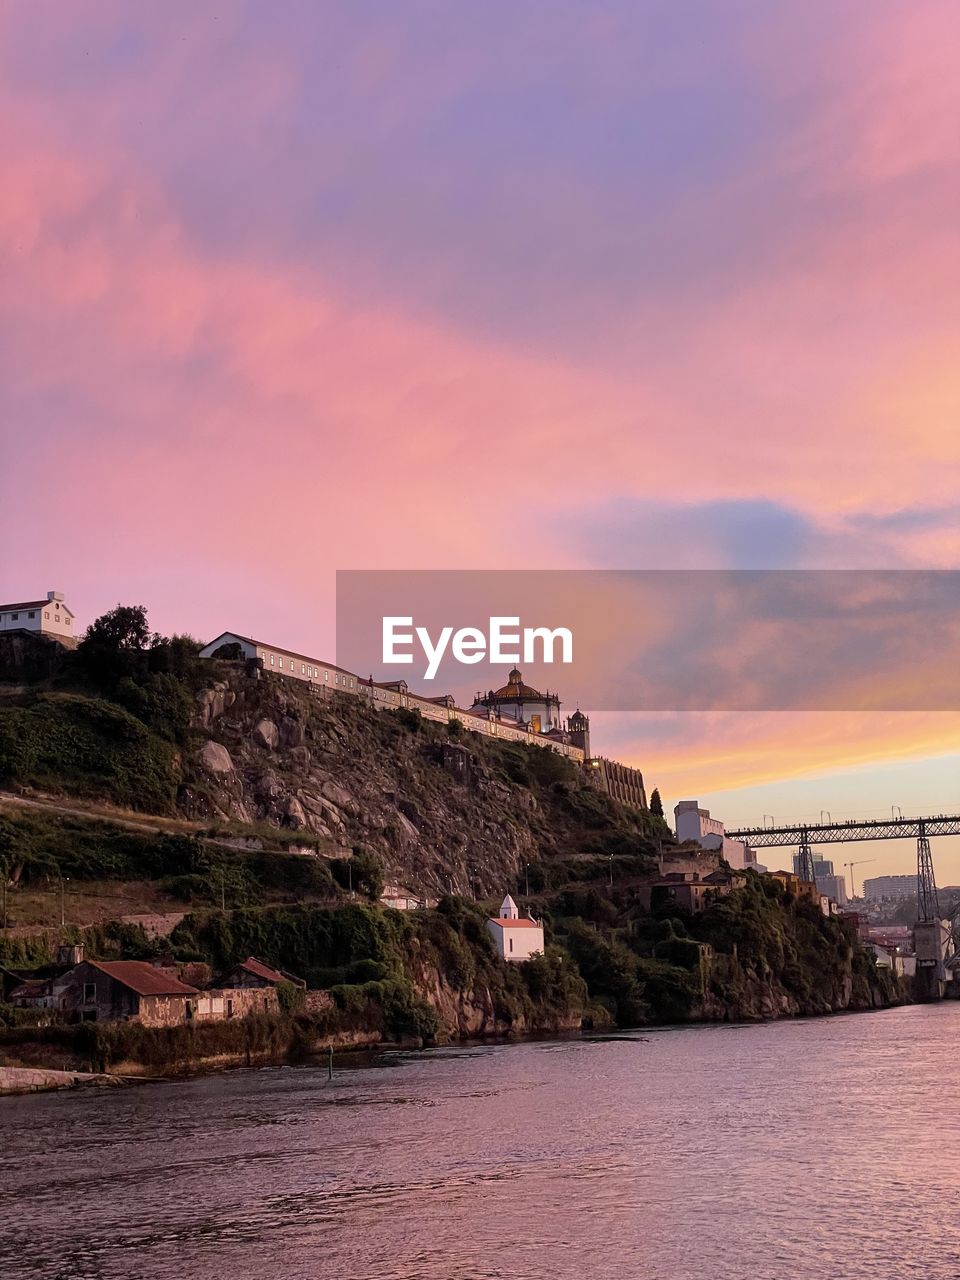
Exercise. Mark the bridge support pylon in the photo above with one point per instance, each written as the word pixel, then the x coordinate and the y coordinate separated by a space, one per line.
pixel 931 935
pixel 805 859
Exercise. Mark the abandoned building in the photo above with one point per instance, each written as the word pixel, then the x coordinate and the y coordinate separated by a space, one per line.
pixel 131 990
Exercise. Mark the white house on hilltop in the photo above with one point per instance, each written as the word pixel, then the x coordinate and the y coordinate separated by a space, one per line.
pixel 49 617
pixel 515 939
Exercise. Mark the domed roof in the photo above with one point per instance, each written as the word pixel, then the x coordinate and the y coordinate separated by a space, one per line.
pixel 515 688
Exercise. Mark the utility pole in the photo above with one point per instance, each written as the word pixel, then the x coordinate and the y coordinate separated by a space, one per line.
pixel 63 908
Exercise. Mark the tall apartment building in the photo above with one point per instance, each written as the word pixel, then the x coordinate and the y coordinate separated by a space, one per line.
pixel 879 887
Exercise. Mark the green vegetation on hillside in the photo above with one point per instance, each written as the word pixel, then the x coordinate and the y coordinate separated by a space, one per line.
pixel 120 721
pixel 88 747
pixel 37 848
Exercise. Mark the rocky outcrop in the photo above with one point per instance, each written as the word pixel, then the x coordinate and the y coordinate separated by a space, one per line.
pixel 266 734
pixel 338 771
pixel 760 997
pixel 215 758
pixel 214 701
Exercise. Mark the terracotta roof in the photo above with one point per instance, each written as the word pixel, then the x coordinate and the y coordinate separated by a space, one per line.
pixel 514 924
pixel 516 691
pixel 261 970
pixel 143 978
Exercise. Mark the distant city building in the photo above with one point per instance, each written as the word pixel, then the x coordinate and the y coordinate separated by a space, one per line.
pixel 515 938
pixel 821 866
pixel 834 887
pixel 49 617
pixel 879 887
pixel 828 882
pixel 693 823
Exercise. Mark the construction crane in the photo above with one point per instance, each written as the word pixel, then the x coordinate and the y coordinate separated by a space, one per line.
pixel 850 866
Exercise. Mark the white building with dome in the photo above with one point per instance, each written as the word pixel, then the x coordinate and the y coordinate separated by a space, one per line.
pixel 519 702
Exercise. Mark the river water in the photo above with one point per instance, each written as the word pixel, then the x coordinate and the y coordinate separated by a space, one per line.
pixel 820 1149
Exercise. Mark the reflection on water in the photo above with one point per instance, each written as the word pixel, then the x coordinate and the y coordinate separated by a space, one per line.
pixel 823 1149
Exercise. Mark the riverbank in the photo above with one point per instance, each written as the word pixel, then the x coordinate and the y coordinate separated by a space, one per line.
pixel 20 1080
pixel 121 1052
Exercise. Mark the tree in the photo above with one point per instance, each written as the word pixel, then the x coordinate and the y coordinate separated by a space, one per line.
pixel 121 629
pixel 656 804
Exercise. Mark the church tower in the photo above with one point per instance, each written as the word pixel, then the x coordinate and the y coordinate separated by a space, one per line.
pixel 578 727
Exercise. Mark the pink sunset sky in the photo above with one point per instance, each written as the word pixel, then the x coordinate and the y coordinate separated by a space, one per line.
pixel 301 287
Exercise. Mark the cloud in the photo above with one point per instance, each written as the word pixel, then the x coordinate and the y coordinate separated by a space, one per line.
pixel 634 533
pixel 756 533
pixel 322 287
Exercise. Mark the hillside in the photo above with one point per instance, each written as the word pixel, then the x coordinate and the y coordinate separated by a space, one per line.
pixel 257 817
pixel 443 814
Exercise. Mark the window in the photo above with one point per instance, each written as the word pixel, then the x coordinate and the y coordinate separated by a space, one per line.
pixel 46 613
pixel 89 992
pixel 351 684
pixel 280 663
pixel 32 613
pixel 67 621
pixel 326 677
pixel 229 1008
pixel 303 668
pixel 511 944
pixel 14 617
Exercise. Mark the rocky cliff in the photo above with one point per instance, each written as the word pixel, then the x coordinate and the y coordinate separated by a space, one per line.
pixel 456 814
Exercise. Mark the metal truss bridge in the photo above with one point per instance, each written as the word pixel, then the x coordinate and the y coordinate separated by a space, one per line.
pixel 800 834
pixel 936 938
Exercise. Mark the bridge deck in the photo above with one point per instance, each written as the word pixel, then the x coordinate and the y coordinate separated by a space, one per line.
pixel 848 832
